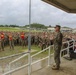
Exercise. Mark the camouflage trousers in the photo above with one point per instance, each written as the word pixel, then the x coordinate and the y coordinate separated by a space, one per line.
pixel 11 43
pixel 23 42
pixel 2 44
pixel 57 55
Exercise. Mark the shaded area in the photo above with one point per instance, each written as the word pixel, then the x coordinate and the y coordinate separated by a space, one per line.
pixel 66 5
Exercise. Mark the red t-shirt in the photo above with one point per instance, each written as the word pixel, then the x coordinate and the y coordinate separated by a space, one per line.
pixel 22 36
pixel 2 36
pixel 10 37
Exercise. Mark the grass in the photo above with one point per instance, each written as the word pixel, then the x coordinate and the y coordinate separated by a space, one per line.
pixel 20 49
pixel 8 29
pixel 24 60
pixel 43 54
pixel 16 29
pixel 17 49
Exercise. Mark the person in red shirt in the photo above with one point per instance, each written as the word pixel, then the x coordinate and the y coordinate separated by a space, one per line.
pixel 11 41
pixel 22 39
pixel 2 41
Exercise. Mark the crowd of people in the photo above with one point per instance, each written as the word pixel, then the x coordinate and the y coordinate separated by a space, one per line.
pixel 12 39
pixel 41 39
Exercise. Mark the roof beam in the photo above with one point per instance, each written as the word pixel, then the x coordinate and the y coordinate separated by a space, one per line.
pixel 60 6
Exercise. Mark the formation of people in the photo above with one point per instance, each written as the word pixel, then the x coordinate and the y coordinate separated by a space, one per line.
pixel 41 39
pixel 12 39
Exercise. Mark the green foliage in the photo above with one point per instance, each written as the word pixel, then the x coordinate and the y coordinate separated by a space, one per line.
pixel 37 25
pixel 9 26
pixel 18 49
pixel 34 25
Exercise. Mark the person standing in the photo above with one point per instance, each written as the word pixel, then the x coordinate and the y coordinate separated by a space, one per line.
pixel 2 41
pixel 11 41
pixel 23 39
pixel 57 47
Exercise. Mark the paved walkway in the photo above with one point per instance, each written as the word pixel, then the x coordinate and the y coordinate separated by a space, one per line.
pixel 67 68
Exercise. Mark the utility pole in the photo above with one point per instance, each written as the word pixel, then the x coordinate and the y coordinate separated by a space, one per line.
pixel 29 40
pixel 29 35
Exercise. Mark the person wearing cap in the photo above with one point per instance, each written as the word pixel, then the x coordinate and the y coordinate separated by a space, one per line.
pixel 57 47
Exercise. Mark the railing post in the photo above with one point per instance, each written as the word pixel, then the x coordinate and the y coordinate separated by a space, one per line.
pixel 73 44
pixel 60 54
pixel 9 68
pixel 68 49
pixel 49 58
pixel 29 61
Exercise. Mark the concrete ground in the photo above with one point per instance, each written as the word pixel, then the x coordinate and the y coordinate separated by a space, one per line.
pixel 67 68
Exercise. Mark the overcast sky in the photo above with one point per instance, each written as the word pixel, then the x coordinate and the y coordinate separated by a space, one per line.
pixel 17 12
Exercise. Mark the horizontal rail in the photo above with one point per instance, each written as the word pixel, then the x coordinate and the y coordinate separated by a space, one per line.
pixel 68 41
pixel 40 60
pixel 70 46
pixel 40 52
pixel 66 48
pixel 63 49
pixel 16 69
pixel 13 55
pixel 18 58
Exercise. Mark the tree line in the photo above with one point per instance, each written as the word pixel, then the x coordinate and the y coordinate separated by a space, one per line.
pixel 37 25
pixel 33 25
pixel 9 25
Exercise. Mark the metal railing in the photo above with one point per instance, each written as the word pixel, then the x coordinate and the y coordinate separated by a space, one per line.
pixel 29 61
pixel 48 48
pixel 67 49
pixel 4 63
pixel 30 58
pixel 16 69
pixel 17 60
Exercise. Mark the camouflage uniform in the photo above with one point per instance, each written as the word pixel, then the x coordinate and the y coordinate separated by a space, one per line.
pixel 43 43
pixel 23 40
pixel 2 42
pixel 57 47
pixel 36 40
pixel 11 41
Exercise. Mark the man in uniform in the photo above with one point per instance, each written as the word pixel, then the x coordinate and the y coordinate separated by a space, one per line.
pixel 11 41
pixel 23 39
pixel 57 47
pixel 43 41
pixel 2 41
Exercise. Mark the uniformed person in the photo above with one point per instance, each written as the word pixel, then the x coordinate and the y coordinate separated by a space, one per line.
pixel 43 42
pixel 23 39
pixel 2 41
pixel 11 41
pixel 36 40
pixel 57 47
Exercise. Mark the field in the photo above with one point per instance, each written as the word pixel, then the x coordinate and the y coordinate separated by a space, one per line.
pixel 18 29
pixel 17 49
